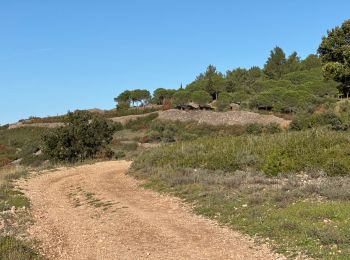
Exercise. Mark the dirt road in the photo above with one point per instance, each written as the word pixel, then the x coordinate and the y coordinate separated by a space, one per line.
pixel 98 212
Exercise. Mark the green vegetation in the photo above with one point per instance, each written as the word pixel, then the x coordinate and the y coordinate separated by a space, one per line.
pixel 292 188
pixel 285 84
pixel 85 136
pixel 181 98
pixel 141 123
pixel 161 94
pixel 21 143
pixel 137 96
pixel 271 154
pixel 334 51
pixel 201 97
pixel 170 131
pixel 11 247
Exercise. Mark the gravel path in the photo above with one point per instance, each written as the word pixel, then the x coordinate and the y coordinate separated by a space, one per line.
pixel 97 212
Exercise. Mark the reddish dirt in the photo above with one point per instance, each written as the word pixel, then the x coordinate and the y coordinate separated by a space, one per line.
pixel 97 212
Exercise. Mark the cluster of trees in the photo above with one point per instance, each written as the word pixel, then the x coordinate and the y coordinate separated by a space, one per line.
pixel 134 97
pixel 285 83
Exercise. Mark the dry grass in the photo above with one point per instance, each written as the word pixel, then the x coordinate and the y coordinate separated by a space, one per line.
pixel 5 173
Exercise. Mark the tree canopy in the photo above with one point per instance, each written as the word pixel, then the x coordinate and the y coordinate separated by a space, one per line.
pixel 286 83
pixel 334 51
pixel 138 96
pixel 201 97
pixel 83 136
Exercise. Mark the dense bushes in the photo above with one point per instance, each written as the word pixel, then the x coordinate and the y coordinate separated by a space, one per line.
pixel 272 154
pixel 170 131
pixel 141 123
pixel 84 136
pixel 328 119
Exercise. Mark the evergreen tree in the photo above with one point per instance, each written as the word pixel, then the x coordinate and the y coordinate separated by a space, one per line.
pixel 202 98
pixel 275 65
pixel 334 51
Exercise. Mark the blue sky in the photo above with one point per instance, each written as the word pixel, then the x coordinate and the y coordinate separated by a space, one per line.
pixel 61 55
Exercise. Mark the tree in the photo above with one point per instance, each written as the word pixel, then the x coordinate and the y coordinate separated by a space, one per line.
pixel 242 79
pixel 196 86
pixel 141 96
pixel 161 94
pixel 123 99
pixel 144 96
pixel 211 81
pixel 181 98
pixel 214 81
pixel 334 52
pixel 292 63
pixel 83 136
pixel 310 62
pixel 202 98
pixel 274 67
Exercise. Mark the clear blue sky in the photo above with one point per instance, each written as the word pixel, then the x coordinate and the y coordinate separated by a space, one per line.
pixel 61 55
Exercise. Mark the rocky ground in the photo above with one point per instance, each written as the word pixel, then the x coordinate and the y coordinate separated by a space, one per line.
pixel 221 118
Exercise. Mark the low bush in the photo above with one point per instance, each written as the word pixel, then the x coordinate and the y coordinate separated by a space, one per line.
pixel 170 131
pixel 141 123
pixel 119 155
pixel 328 119
pixel 22 143
pixel 84 137
pixel 11 249
pixel 272 154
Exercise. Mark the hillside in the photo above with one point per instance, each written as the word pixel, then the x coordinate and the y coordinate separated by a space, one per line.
pixel 200 116
pixel 222 118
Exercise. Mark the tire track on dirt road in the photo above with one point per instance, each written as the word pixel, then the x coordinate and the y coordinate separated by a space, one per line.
pixel 97 212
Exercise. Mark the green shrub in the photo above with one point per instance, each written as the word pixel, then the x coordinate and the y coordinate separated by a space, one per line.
pixel 141 123
pixel 201 97
pixel 84 136
pixel 223 101
pixel 254 128
pixel 170 131
pixel 273 128
pixel 22 143
pixel 11 249
pixel 273 154
pixel 328 118
pixel 119 155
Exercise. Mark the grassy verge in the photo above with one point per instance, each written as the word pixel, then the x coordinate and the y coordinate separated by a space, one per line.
pixel 279 187
pixel 21 143
pixel 14 218
pixel 272 154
